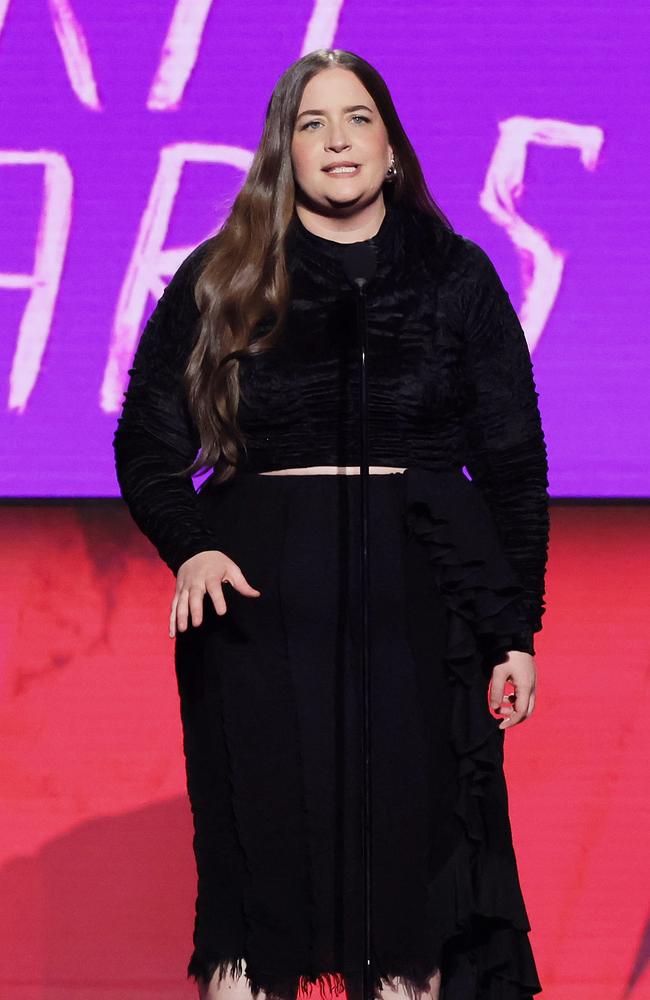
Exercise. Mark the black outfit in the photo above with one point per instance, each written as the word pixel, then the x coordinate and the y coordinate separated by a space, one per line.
pixel 270 692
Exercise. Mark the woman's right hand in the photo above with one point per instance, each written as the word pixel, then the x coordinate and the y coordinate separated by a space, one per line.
pixel 204 573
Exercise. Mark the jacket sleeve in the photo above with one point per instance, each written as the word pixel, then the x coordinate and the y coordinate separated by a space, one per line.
pixel 506 452
pixel 155 435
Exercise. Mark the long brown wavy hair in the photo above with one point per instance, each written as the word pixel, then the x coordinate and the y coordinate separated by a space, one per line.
pixel 245 278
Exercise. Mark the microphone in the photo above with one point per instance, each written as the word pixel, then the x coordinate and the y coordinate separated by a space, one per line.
pixel 360 265
pixel 360 262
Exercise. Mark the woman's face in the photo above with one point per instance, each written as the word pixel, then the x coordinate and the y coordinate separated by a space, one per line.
pixel 338 123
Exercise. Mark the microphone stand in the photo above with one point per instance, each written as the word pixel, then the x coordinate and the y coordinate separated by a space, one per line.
pixel 360 264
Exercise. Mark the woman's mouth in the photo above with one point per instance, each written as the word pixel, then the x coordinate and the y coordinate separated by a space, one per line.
pixel 343 171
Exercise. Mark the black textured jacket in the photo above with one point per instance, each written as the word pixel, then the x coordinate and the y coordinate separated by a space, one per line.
pixel 450 386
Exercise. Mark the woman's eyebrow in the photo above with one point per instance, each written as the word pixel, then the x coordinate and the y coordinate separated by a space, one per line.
pixel 316 111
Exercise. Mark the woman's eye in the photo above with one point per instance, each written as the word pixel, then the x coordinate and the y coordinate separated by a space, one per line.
pixel 363 118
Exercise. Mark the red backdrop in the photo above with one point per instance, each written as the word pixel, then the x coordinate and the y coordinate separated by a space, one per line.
pixel 96 870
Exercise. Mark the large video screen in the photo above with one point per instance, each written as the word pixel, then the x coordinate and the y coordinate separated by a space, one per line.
pixel 128 128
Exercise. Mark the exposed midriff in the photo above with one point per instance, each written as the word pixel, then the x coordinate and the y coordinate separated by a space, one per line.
pixel 347 470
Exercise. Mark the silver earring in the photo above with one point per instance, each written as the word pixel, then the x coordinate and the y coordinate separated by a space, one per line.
pixel 391 173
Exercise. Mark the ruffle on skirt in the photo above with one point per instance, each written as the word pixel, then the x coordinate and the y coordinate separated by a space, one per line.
pixel 476 913
pixel 487 953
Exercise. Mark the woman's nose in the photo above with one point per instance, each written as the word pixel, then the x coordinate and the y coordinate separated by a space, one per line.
pixel 337 137
pixel 337 142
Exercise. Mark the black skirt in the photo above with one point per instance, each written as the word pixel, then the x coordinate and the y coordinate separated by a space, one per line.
pixel 271 708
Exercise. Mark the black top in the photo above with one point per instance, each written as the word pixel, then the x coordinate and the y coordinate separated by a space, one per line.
pixel 450 386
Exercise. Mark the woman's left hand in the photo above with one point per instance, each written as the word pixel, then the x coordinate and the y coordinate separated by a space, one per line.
pixel 519 669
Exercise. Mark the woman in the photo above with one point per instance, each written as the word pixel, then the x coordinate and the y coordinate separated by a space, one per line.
pixel 250 359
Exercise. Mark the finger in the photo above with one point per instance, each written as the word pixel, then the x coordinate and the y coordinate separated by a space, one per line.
pixel 172 617
pixel 496 691
pixel 522 700
pixel 181 610
pixel 240 583
pixel 215 591
pixel 531 705
pixel 197 593
pixel 505 707
pixel 520 711
pixel 511 720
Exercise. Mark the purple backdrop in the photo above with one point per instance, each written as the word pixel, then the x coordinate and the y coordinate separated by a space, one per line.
pixel 127 130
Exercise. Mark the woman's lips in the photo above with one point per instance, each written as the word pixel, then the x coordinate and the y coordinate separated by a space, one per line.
pixel 343 173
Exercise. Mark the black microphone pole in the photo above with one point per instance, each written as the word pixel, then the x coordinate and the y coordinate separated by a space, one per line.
pixel 360 264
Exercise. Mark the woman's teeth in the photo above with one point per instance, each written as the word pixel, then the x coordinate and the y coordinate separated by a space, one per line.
pixel 342 170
